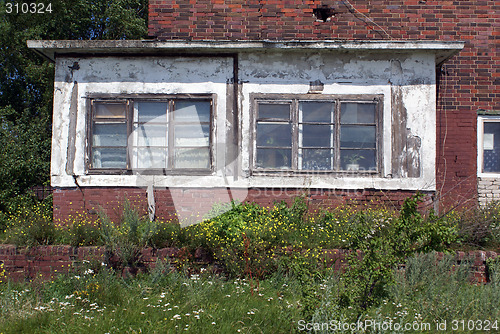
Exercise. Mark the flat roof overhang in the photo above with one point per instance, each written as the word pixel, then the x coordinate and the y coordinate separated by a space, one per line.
pixel 51 49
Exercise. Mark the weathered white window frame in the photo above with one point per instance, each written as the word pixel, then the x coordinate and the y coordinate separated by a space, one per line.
pixel 293 100
pixel 130 119
pixel 481 121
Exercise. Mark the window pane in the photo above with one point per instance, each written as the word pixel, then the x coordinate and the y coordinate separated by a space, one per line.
pixel 274 158
pixel 316 135
pixel 274 111
pixel 192 158
pixel 110 110
pixel 150 158
pixel 274 134
pixel 317 159
pixel 357 113
pixel 109 134
pixel 152 112
pixel 491 147
pixel 192 135
pixel 358 160
pixel 317 111
pixel 109 157
pixel 192 111
pixel 151 134
pixel 357 136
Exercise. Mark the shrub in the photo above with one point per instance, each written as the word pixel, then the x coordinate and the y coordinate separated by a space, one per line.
pixel 384 243
pixel 2 272
pixel 80 230
pixel 30 223
pixel 125 241
pixel 427 290
pixel 247 238
pixel 480 226
pixel 164 234
pixel 493 270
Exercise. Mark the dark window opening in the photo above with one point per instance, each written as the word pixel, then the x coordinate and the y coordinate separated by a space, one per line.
pixel 323 13
pixel 491 147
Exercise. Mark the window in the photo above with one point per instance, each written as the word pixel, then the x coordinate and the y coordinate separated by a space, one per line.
pixel 170 134
pixel 309 133
pixel 489 144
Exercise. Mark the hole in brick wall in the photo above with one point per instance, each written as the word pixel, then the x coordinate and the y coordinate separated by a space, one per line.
pixel 323 13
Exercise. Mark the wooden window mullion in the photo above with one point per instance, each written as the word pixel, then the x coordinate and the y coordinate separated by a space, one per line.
pixel 170 135
pixel 336 144
pixel 129 114
pixel 295 134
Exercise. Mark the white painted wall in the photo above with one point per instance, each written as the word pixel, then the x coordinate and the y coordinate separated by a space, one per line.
pixel 259 72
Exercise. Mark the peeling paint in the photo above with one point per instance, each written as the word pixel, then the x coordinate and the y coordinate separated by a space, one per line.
pixel 73 111
pixel 406 155
pixel 405 80
pixel 413 144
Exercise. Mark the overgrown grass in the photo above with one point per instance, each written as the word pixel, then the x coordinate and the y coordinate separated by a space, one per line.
pixel 93 299
pixel 429 291
pixel 479 227
pixel 275 275
pixel 160 302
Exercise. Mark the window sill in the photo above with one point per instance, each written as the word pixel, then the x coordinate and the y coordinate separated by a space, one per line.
pixel 187 172
pixel 489 175
pixel 292 173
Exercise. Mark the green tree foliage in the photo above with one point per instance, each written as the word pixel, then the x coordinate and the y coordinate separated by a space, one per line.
pixel 26 80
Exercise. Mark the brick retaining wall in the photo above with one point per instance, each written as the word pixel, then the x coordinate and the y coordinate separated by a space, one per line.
pixel 46 262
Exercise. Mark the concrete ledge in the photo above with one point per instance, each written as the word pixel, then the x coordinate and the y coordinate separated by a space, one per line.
pixel 50 49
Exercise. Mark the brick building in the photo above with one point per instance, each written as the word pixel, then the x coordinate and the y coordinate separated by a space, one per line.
pixel 266 100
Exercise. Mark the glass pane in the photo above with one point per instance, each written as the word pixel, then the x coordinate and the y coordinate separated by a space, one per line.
pixel 150 158
pixel 274 134
pixel 192 111
pixel 358 160
pixel 152 112
pixel 192 135
pixel 316 135
pixel 109 157
pixel 317 111
pixel 192 158
pixel 109 134
pixel 317 159
pixel 110 110
pixel 357 136
pixel 280 158
pixel 491 147
pixel 357 112
pixel 279 111
pixel 151 134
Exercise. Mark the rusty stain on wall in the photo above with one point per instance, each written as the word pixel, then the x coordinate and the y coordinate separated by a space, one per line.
pixel 405 146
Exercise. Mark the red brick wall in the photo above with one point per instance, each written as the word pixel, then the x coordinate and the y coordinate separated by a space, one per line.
pixel 467 83
pixel 198 201
pixel 46 262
